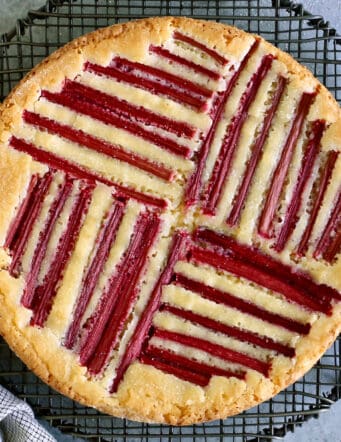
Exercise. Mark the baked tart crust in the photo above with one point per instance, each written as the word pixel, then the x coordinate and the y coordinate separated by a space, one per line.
pixel 170 220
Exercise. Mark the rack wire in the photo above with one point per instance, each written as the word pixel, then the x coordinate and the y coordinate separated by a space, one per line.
pixel 286 24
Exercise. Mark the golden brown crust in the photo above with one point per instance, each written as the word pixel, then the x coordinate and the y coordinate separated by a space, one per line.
pixel 59 368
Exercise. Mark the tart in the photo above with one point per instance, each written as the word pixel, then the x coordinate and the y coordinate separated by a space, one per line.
pixel 170 220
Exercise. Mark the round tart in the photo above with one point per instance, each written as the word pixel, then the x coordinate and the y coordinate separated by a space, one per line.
pixel 170 220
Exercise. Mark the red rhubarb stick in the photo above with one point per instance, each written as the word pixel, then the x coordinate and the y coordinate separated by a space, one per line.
pixel 104 241
pixel 322 293
pixel 81 172
pixel 182 373
pixel 128 269
pixel 29 217
pixel 233 332
pixel 186 85
pixel 140 334
pixel 174 92
pixel 44 237
pixel 249 308
pixel 126 298
pixel 190 365
pixel 21 212
pixel 46 292
pixel 194 183
pixel 222 165
pixel 333 247
pixel 330 228
pixel 308 161
pixel 106 116
pixel 240 197
pixel 278 178
pixel 321 184
pixel 216 350
pixel 98 145
pixel 129 110
pixel 259 276
pixel 196 44
pixel 162 52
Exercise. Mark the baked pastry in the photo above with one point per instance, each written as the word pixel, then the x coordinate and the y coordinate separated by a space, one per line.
pixel 170 220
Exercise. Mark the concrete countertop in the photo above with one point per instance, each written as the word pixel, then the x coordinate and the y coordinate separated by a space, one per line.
pixel 327 427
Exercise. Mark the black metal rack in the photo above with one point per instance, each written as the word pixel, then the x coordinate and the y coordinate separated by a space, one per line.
pixel 286 24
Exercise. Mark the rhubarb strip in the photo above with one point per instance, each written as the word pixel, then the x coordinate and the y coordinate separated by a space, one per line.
pixel 128 110
pixel 222 165
pixel 196 44
pixel 308 161
pixel 278 178
pixel 321 184
pixel 106 116
pixel 322 293
pixel 229 300
pixel 171 368
pixel 195 180
pixel 233 332
pixel 240 197
pixel 108 320
pixel 334 247
pixel 44 237
pixel 140 334
pixel 259 276
pixel 188 365
pixel 104 241
pixel 82 173
pixel 175 92
pixel 192 88
pixel 162 52
pixel 46 292
pixel 30 215
pixel 216 350
pixel 21 213
pixel 326 238
pixel 83 139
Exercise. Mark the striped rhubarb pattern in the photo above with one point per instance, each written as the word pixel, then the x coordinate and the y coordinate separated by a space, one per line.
pixel 108 320
pixel 320 186
pixel 46 291
pixel 28 214
pixel 212 305
pixel 155 80
pixel 142 329
pixel 223 163
pixel 308 160
pixel 44 238
pixel 77 136
pixel 128 110
pixel 297 278
pixel 277 183
pixel 80 172
pixel 104 241
pixel 229 300
pixel 234 332
pixel 194 184
pixel 106 116
pixel 215 350
pixel 241 196
pixel 184 368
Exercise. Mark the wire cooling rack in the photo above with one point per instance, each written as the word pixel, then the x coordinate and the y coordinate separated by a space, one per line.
pixel 312 42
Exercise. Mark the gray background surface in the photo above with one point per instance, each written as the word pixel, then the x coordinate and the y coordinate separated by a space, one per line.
pixel 328 427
